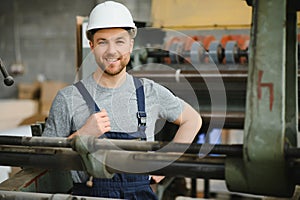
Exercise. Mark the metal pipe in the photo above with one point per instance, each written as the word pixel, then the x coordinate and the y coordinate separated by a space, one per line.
pixel 131 145
pixel 108 144
pixel 12 195
pixel 162 163
pixel 41 157
pixel 35 141
pixel 177 165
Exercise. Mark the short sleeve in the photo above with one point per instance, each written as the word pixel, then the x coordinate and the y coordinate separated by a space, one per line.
pixel 58 123
pixel 169 106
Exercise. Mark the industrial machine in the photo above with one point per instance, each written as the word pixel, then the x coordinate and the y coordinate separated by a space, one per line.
pixel 237 84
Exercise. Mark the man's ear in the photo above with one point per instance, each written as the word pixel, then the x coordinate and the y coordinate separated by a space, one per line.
pixel 131 45
pixel 91 45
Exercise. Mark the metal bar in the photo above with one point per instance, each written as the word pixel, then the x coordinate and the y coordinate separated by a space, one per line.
pixel 233 150
pixel 291 78
pixel 41 157
pixel 216 172
pixel 193 187
pixel 108 144
pixel 12 195
pixel 35 141
pixel 161 163
pixel 165 163
pixel 206 188
pixel 26 144
pixel 23 154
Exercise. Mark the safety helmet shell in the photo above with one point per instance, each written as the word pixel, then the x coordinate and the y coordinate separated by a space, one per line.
pixel 110 14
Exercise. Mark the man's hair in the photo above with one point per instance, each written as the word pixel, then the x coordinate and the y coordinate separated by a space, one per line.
pixel 90 34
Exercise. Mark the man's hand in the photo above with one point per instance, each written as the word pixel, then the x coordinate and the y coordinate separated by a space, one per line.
pixel 97 124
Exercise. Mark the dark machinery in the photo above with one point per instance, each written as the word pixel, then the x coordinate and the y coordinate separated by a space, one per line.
pixel 198 49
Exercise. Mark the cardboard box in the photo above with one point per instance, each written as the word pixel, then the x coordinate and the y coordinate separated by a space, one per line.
pixel 49 90
pixel 29 90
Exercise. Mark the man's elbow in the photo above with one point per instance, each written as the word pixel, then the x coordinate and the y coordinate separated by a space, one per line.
pixel 199 121
pixel 195 118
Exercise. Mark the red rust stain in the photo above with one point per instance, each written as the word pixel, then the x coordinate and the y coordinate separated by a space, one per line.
pixel 35 179
pixel 269 85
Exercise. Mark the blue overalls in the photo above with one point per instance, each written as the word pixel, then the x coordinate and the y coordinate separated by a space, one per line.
pixel 124 186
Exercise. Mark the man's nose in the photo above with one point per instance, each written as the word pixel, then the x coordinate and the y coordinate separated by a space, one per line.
pixel 111 48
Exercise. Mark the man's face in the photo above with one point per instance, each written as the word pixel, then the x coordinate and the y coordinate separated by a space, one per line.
pixel 112 48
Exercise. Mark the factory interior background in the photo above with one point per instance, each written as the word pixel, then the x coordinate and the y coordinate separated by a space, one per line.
pixel 43 45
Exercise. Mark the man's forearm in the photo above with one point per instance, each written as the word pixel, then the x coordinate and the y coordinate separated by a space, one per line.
pixel 187 131
pixel 189 124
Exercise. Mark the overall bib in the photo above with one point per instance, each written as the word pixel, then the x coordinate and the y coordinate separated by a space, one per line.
pixel 124 186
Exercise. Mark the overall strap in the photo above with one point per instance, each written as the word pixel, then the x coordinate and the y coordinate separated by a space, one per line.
pixel 141 114
pixel 87 97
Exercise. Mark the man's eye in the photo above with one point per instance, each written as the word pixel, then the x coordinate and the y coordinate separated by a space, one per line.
pixel 120 42
pixel 102 42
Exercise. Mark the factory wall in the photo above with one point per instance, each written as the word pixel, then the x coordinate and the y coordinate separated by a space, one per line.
pixel 200 14
pixel 39 35
pixel 38 38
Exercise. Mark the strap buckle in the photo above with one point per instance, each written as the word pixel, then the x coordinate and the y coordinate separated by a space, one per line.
pixel 141 115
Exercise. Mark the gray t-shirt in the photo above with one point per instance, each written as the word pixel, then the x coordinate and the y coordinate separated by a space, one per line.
pixel 69 110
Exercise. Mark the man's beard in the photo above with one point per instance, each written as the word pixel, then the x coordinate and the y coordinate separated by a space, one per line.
pixel 124 60
pixel 114 73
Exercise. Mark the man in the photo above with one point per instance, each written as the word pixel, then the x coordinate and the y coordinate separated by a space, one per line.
pixel 123 107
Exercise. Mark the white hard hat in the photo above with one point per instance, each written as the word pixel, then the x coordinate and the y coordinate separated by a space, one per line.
pixel 110 14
